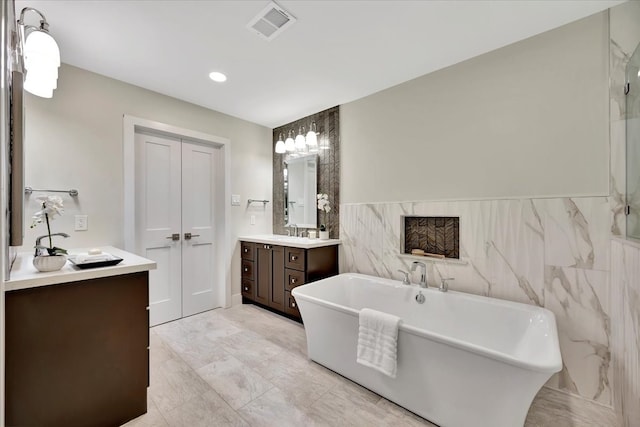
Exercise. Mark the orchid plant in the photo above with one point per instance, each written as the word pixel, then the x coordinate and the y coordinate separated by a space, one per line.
pixel 325 207
pixel 51 207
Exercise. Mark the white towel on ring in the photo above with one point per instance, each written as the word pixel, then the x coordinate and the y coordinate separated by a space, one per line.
pixel 378 341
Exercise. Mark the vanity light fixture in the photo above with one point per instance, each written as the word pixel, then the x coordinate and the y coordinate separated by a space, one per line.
pixel 40 55
pixel 217 77
pixel 300 141
pixel 280 146
pixel 289 144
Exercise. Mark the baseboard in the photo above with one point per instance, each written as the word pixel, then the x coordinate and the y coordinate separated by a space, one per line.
pixel 557 407
pixel 236 299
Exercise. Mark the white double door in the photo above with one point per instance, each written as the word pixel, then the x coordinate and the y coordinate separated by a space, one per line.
pixel 175 208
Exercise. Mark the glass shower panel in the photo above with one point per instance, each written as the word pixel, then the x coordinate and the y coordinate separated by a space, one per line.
pixel 633 145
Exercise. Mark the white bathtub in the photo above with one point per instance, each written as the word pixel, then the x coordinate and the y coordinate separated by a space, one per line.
pixel 463 360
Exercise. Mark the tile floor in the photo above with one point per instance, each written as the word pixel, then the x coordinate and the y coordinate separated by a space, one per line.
pixel 246 366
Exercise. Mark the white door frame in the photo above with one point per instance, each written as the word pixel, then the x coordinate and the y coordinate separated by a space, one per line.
pixel 131 125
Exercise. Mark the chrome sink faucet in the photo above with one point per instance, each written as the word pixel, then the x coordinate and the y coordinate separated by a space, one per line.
pixel 423 272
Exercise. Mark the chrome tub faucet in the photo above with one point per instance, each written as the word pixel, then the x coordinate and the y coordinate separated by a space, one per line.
pixel 444 286
pixel 423 272
pixel 405 280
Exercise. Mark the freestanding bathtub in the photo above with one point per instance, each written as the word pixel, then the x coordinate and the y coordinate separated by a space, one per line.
pixel 463 360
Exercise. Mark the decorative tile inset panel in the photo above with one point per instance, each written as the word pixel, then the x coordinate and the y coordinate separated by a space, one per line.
pixel 436 235
pixel 328 179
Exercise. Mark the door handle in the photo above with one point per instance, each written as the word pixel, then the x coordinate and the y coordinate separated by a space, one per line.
pixel 174 236
pixel 188 236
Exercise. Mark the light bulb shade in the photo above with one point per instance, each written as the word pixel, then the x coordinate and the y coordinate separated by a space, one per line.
pixel 41 62
pixel 300 143
pixel 289 144
pixel 312 140
pixel 40 46
pixel 280 148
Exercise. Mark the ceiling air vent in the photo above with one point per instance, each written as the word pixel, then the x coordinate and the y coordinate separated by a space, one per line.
pixel 271 21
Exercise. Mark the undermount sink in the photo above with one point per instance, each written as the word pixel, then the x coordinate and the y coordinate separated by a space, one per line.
pixel 283 238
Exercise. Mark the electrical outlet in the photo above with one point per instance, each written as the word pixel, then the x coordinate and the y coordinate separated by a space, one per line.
pixel 235 200
pixel 82 223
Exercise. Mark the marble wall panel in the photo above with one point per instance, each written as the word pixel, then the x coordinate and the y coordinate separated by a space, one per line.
pixel 546 252
pixel 577 232
pixel 580 301
pixel 625 285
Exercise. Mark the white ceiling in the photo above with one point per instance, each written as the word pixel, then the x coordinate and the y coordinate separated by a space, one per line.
pixel 336 52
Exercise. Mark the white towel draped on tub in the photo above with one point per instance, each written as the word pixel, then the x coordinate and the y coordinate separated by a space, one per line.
pixel 378 341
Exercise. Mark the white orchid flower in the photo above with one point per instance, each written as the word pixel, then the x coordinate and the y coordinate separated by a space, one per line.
pixel 51 207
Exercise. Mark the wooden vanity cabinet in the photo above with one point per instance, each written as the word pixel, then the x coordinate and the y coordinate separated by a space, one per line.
pixel 247 265
pixel 279 269
pixel 270 279
pixel 77 353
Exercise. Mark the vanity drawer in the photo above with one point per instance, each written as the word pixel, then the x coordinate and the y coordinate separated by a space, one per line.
pixel 293 278
pixel 247 288
pixel 291 306
pixel 247 250
pixel 295 258
pixel 248 270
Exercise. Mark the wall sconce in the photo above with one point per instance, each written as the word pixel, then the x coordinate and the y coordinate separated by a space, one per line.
pixel 40 56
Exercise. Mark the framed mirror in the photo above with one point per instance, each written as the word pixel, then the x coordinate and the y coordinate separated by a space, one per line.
pixel 300 189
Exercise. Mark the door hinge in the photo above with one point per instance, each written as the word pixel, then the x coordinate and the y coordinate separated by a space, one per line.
pixel 627 88
pixel 627 210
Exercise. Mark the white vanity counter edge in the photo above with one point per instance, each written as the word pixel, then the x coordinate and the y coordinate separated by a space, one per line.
pixel 292 242
pixel 24 275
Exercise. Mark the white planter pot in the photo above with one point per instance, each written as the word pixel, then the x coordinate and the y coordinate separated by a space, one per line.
pixel 324 235
pixel 45 263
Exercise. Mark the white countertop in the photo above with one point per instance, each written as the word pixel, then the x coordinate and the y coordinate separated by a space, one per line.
pixel 24 275
pixel 294 242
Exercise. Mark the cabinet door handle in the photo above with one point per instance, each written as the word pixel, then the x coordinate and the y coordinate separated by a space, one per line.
pixel 188 236
pixel 246 269
pixel 246 288
pixel 293 257
pixel 174 236
pixel 293 304
pixel 293 280
pixel 246 250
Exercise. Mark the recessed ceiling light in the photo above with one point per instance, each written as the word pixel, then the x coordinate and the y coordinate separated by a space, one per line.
pixel 217 77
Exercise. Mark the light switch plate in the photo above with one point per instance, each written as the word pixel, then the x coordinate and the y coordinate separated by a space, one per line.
pixel 82 223
pixel 235 200
pixel 253 220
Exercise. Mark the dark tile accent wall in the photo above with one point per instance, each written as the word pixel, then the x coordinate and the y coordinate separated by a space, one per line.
pixel 328 126
pixel 436 235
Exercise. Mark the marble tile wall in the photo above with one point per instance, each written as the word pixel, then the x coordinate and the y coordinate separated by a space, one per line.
pixel 553 253
pixel 625 286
